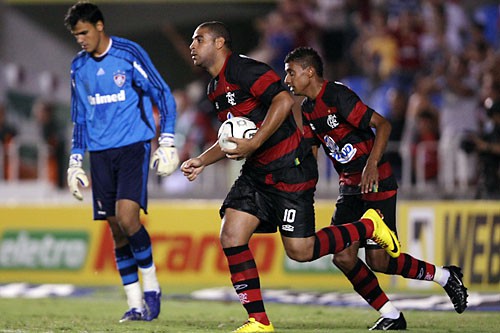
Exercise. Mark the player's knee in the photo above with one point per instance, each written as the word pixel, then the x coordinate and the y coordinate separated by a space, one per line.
pixel 228 240
pixel 119 238
pixel 298 254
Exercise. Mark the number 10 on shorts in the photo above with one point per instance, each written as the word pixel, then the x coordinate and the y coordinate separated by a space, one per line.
pixel 289 215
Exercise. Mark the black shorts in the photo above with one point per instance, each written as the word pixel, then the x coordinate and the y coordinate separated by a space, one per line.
pixel 350 208
pixel 119 173
pixel 292 213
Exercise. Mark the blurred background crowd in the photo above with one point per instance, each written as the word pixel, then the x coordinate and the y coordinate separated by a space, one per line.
pixel 431 67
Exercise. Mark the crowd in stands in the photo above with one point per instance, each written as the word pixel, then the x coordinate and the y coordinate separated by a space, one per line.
pixel 431 67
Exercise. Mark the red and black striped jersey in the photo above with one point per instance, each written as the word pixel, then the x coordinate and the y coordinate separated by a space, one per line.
pixel 340 122
pixel 245 87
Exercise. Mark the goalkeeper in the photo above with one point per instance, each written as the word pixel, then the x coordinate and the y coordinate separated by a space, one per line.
pixel 113 84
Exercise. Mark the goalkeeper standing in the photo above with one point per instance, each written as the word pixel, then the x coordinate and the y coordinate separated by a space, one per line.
pixel 113 84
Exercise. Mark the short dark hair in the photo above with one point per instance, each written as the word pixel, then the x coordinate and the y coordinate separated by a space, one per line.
pixel 306 56
pixel 219 29
pixel 82 11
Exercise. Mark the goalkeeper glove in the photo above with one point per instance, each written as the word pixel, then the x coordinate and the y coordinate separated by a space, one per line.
pixel 76 176
pixel 165 159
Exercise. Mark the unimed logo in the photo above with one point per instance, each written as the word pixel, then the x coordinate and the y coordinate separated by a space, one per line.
pixel 43 249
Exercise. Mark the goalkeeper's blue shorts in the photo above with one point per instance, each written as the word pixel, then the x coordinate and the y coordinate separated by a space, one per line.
pixel 119 173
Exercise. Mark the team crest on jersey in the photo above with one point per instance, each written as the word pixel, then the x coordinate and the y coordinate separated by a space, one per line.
pixel 332 121
pixel 344 155
pixel 119 78
pixel 231 98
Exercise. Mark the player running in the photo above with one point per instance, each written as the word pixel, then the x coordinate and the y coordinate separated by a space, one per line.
pixel 112 82
pixel 277 182
pixel 336 119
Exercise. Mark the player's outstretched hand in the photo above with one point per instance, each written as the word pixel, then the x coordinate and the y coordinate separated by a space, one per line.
pixel 76 176
pixel 192 168
pixel 165 160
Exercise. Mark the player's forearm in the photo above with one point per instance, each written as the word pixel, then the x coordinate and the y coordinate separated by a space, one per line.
pixel 380 143
pixel 168 113
pixel 79 139
pixel 278 111
pixel 212 155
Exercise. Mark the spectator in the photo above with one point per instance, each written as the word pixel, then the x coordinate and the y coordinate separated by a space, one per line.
pixel 332 21
pixel 458 116
pixel 381 48
pixel 487 146
pixel 407 34
pixel 276 40
pixel 424 149
pixel 7 134
pixel 193 128
pixel 398 102
pixel 54 136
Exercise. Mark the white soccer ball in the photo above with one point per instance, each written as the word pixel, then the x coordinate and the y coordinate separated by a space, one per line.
pixel 237 127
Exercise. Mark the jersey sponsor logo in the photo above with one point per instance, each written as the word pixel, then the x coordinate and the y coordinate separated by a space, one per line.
pixel 119 78
pixel 99 99
pixel 332 121
pixel 344 155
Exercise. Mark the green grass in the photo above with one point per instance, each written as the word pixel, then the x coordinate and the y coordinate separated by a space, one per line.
pixel 101 313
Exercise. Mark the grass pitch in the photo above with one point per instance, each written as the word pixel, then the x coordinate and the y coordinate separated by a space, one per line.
pixel 100 313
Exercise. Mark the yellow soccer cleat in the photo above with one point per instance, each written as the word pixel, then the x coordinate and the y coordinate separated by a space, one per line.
pixel 253 326
pixel 384 236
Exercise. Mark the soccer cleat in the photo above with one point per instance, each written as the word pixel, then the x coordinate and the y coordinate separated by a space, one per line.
pixel 253 326
pixel 384 236
pixel 132 315
pixel 387 324
pixel 455 288
pixel 152 299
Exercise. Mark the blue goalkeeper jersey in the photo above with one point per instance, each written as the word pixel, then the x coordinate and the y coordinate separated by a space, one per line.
pixel 112 96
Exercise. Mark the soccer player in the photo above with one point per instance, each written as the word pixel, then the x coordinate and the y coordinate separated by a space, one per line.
pixel 112 83
pixel 335 118
pixel 277 182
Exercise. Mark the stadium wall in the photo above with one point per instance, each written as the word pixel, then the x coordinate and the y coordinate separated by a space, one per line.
pixel 61 244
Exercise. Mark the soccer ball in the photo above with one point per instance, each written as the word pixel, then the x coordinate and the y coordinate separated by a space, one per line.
pixel 237 127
